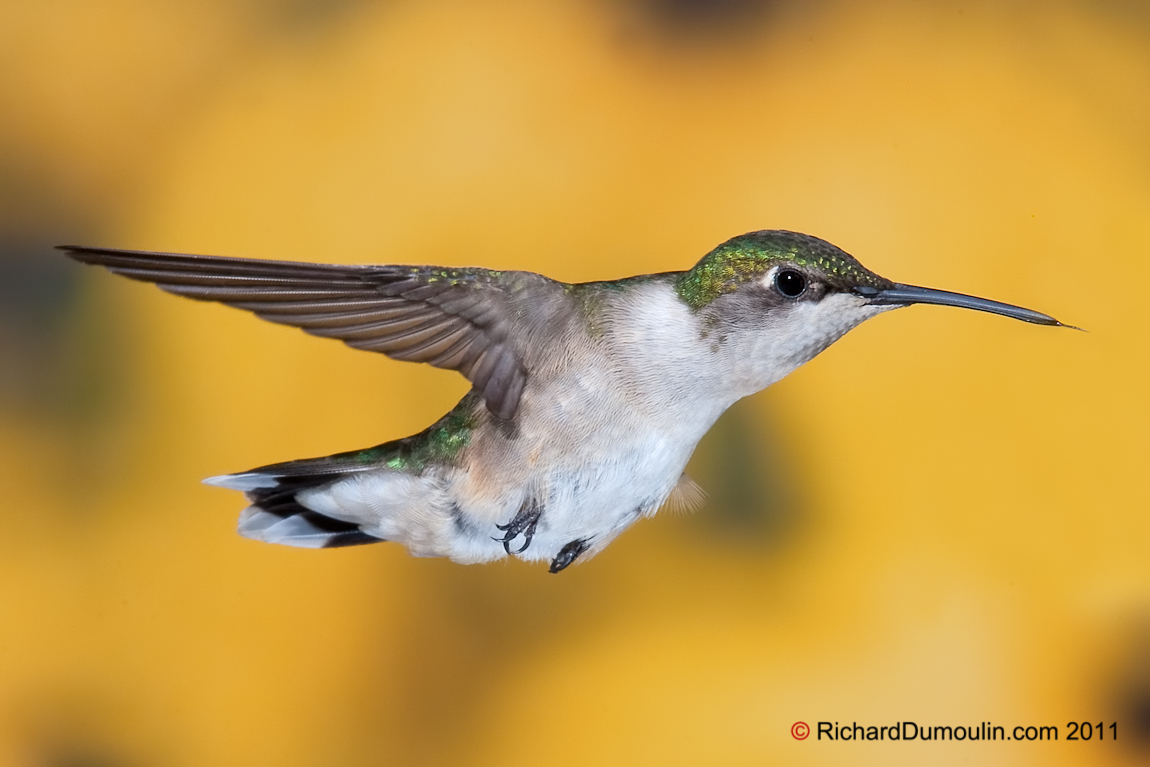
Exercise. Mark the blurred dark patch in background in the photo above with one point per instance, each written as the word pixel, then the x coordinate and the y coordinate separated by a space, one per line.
pixel 54 356
pixel 1130 696
pixel 753 484
pixel 1134 715
pixel 58 365
pixel 302 17
pixel 711 27
pixel 698 18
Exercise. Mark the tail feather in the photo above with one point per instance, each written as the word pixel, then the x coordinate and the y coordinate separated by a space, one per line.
pixel 249 480
pixel 275 515
pixel 304 529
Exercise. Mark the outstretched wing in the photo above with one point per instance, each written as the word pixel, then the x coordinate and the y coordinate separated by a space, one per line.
pixel 458 319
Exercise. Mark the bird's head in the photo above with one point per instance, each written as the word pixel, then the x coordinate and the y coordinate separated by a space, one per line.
pixel 778 298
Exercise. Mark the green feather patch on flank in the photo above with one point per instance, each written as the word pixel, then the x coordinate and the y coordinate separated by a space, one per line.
pixel 439 443
pixel 749 256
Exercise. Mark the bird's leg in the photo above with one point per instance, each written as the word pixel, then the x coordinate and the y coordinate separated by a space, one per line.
pixel 569 554
pixel 524 523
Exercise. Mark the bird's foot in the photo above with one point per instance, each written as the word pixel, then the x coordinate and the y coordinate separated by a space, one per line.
pixel 569 554
pixel 523 523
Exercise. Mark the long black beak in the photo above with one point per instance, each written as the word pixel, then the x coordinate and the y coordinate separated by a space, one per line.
pixel 904 295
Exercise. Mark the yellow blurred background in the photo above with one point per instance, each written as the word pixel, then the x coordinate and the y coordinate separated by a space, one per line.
pixel 943 519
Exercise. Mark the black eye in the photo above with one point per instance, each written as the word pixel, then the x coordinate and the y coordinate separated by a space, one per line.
pixel 790 283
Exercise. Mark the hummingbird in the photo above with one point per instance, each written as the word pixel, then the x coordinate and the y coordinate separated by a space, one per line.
pixel 586 400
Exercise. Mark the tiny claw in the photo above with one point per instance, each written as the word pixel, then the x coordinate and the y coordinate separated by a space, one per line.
pixel 523 523
pixel 569 554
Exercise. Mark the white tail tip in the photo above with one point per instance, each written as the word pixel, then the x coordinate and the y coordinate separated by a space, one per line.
pixel 244 482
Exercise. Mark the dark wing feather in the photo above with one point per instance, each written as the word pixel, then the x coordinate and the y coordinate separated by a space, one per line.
pixel 458 319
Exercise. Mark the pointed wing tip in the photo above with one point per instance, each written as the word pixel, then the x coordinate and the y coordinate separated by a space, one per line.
pixel 504 393
pixel 71 250
pixel 502 408
pixel 86 254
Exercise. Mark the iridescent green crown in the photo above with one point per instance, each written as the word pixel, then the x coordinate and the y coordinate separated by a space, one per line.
pixel 749 256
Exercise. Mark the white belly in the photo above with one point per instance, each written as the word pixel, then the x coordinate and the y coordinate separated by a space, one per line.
pixel 586 489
